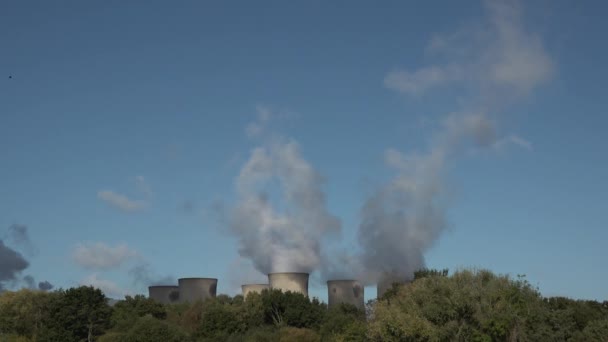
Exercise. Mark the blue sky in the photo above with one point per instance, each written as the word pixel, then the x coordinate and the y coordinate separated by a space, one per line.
pixel 123 126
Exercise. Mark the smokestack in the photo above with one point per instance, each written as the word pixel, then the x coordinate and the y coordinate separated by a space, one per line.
pixel 253 288
pixel 345 291
pixel 294 282
pixel 164 294
pixel 195 289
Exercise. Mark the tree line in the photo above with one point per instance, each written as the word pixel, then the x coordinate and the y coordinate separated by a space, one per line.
pixel 465 306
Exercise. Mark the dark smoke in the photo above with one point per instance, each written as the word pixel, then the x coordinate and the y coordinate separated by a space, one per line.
pixel 144 276
pixel 19 236
pixel 187 207
pixel 29 282
pixel 18 233
pixel 11 265
pixel 45 286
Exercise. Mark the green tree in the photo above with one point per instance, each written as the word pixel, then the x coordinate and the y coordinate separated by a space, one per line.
pixel 470 306
pixel 185 315
pixel 225 317
pixel 594 331
pixel 148 329
pixel 426 272
pixel 219 320
pixel 292 309
pixel 77 314
pixel 253 311
pixel 343 322
pixel 22 312
pixel 292 334
pixel 127 311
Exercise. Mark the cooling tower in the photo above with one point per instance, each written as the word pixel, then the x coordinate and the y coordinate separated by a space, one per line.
pixel 164 294
pixel 195 289
pixel 253 288
pixel 387 283
pixel 345 291
pixel 294 282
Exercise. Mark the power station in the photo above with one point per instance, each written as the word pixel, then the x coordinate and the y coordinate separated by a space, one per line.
pixel 345 292
pixel 386 282
pixel 165 294
pixel 289 281
pixel 195 289
pixel 253 288
pixel 340 291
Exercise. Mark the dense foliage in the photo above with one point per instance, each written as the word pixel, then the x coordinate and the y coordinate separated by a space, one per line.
pixel 466 306
pixel 481 306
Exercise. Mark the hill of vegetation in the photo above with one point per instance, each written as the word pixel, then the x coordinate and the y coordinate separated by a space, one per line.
pixel 466 306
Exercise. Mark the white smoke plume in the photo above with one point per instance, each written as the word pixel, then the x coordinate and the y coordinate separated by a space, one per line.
pixel 492 64
pixel 286 237
pixel 496 60
pixel 403 218
pixel 240 272
pixel 496 63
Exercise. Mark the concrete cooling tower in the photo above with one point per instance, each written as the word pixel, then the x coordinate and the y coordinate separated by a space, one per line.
pixel 195 289
pixel 164 294
pixel 253 288
pixel 345 291
pixel 386 284
pixel 294 282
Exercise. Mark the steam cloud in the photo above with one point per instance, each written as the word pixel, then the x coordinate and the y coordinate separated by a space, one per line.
pixel 498 63
pixel 278 240
pixel 493 64
pixel 403 219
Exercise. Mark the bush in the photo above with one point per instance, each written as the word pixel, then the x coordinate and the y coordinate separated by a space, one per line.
pixel 126 312
pixel 291 334
pixel 219 320
pixel 344 322
pixel 76 314
pixel 22 313
pixel 467 306
pixel 150 329
pixel 292 309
